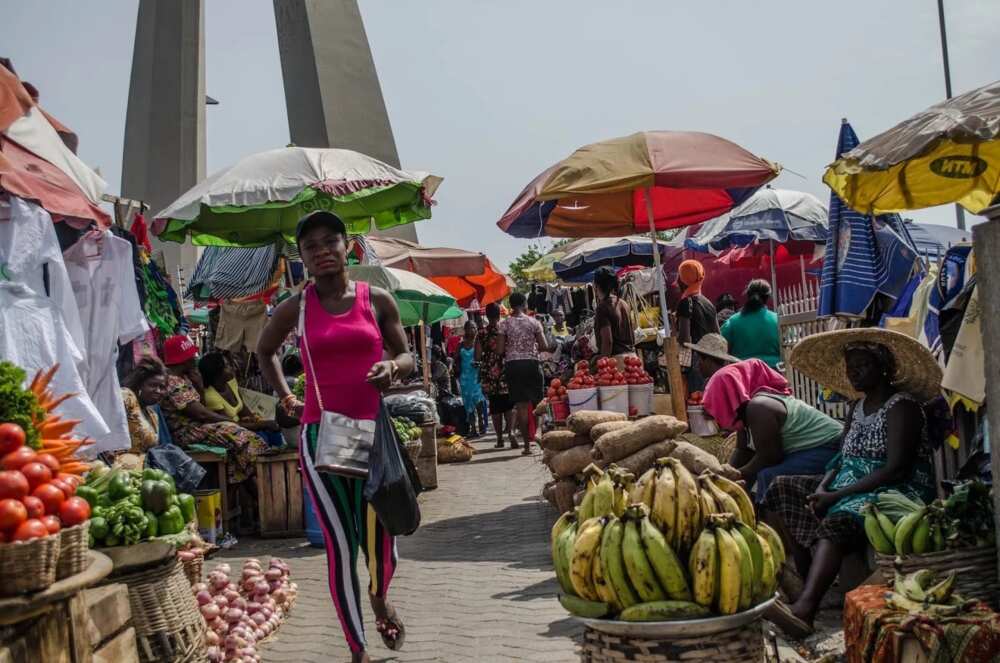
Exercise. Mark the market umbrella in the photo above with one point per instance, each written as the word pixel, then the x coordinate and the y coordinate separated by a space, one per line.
pixel 865 256
pixel 418 299
pixel 426 261
pixel 949 153
pixel 232 273
pixel 932 240
pixel 579 264
pixel 260 198
pixel 490 286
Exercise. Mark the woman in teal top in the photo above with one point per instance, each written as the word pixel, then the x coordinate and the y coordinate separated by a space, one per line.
pixel 753 332
pixel 778 434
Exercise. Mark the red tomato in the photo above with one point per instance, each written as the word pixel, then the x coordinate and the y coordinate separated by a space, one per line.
pixel 71 479
pixel 36 473
pixel 12 514
pixel 68 489
pixel 17 458
pixel 33 528
pixel 13 484
pixel 34 506
pixel 50 496
pixel 52 524
pixel 11 438
pixel 557 383
pixel 49 461
pixel 562 391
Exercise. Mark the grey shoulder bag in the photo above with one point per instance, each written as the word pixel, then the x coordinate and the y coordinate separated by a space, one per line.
pixel 343 444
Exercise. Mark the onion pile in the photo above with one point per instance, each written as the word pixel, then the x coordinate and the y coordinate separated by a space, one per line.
pixel 240 613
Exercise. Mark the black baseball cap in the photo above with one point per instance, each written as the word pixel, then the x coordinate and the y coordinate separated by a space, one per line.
pixel 320 218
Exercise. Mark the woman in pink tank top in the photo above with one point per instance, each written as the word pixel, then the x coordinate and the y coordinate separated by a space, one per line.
pixel 349 329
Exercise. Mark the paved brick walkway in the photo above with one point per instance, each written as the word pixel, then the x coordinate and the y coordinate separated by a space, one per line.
pixel 475 583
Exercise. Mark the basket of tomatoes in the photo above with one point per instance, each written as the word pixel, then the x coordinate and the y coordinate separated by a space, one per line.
pixel 558 400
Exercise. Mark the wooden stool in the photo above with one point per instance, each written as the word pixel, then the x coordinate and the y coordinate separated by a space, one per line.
pixel 213 462
pixel 279 495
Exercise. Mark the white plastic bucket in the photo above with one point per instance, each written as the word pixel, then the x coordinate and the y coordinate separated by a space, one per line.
pixel 582 399
pixel 700 423
pixel 640 397
pixel 614 399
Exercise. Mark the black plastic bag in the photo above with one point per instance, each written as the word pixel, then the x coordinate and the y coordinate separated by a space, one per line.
pixel 174 461
pixel 392 485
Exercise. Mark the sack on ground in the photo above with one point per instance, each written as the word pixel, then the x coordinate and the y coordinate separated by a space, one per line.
pixel 581 422
pixel 392 485
pixel 457 451
pixel 572 461
pixel 561 440
pixel 626 441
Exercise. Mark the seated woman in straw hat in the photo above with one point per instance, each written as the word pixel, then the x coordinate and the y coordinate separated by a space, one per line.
pixel 889 376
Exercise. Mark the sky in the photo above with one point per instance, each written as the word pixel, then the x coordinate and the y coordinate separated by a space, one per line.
pixel 489 93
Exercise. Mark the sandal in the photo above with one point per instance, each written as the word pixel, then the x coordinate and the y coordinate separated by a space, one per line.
pixel 392 630
pixel 527 449
pixel 781 616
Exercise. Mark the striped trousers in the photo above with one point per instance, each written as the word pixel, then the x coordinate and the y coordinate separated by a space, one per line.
pixel 348 523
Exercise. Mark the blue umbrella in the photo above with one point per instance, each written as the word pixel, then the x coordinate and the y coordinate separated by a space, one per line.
pixel 777 215
pixel 579 265
pixel 865 256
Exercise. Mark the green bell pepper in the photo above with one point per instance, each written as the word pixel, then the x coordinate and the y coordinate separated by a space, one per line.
pixel 98 527
pixel 120 487
pixel 111 540
pixel 89 494
pixel 150 474
pixel 152 528
pixel 171 521
pixel 103 501
pixel 187 505
pixel 155 495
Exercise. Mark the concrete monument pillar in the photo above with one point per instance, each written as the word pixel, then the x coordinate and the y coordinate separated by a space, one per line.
pixel 164 153
pixel 332 92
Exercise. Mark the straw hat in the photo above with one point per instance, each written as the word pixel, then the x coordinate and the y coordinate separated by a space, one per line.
pixel 821 358
pixel 713 345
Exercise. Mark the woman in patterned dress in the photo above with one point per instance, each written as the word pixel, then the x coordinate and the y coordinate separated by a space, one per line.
pixel 190 422
pixel 491 377
pixel 144 387
pixel 884 447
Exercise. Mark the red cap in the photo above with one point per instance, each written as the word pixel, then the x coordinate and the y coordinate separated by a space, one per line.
pixel 178 349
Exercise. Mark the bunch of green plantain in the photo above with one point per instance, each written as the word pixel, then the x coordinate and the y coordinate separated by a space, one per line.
pixel 606 491
pixel 681 503
pixel 923 592
pixel 922 530
pixel 907 525
pixel 608 565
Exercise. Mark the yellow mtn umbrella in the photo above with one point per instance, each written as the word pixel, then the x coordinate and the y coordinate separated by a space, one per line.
pixel 949 153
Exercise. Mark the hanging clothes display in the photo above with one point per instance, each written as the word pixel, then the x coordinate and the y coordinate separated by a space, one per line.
pixel 965 375
pixel 240 325
pixel 27 243
pixel 34 336
pixel 101 270
pixel 160 304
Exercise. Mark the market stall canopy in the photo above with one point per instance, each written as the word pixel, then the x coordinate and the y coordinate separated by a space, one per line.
pixel 419 300
pixel 949 153
pixel 260 198
pixel 542 270
pixel 490 286
pixel 579 264
pixel 933 240
pixel 36 164
pixel 427 261
pixel 233 273
pixel 778 215
pixel 600 190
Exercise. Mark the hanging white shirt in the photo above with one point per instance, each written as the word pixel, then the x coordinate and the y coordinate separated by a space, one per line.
pixel 100 269
pixel 27 242
pixel 33 335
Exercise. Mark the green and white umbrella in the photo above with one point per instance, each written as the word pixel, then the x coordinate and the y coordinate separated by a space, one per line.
pixel 418 299
pixel 259 200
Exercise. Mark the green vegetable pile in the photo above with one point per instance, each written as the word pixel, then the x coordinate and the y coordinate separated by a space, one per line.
pixel 128 506
pixel 406 430
pixel 18 405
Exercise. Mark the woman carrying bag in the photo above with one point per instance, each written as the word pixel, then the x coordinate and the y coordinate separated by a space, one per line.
pixel 347 330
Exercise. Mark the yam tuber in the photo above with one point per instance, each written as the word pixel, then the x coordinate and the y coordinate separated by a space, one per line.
pixel 567 463
pixel 696 460
pixel 626 441
pixel 643 459
pixel 600 429
pixel 581 422
pixel 561 440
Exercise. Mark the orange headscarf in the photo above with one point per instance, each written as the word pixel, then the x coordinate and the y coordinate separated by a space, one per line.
pixel 692 274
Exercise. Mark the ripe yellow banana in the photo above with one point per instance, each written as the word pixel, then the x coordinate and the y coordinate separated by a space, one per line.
pixel 664 561
pixel 728 600
pixel 561 524
pixel 614 565
pixel 741 497
pixel 637 566
pixel 602 586
pixel 664 506
pixel 756 556
pixel 746 570
pixel 688 509
pixel 704 568
pixel 726 503
pixel 588 539
pixel 604 497
pixel 663 611
pixel 562 553
pixel 768 574
pixel 773 540
pixel 586 508
pixel 708 506
pixel 642 491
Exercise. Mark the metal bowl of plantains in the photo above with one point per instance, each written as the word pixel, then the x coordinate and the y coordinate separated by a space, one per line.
pixel 682 628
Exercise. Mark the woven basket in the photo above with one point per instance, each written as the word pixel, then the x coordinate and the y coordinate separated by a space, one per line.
pixel 192 568
pixel 744 644
pixel 168 626
pixel 73 549
pixel 413 450
pixel 28 566
pixel 976 567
